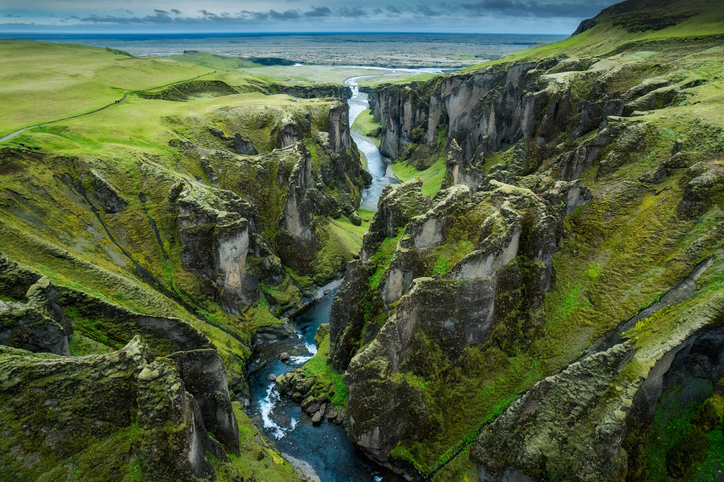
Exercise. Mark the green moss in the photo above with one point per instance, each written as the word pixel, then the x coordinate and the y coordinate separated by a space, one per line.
pixel 431 177
pixel 81 345
pixel 383 257
pixel 318 368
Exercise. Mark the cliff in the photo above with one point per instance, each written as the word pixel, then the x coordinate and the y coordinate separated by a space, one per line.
pixel 141 251
pixel 538 316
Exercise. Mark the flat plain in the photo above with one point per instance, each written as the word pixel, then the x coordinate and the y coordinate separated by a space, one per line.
pixel 382 50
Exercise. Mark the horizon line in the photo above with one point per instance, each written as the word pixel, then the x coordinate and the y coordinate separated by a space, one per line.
pixel 251 34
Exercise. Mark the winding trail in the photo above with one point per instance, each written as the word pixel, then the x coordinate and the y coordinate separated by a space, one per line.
pixel 117 102
pixel 20 131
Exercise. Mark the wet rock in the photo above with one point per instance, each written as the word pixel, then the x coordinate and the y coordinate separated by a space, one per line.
pixel 272 377
pixel 284 356
pixel 317 418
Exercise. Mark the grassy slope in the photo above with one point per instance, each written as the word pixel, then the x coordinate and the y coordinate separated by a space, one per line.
pixel 301 73
pixel 402 79
pixel 216 62
pixel 608 35
pixel 40 81
pixel 431 177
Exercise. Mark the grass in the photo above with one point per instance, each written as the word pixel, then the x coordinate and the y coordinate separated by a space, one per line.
pixel 318 368
pixel 215 62
pixel 40 81
pixel 609 35
pixel 402 79
pixel 343 243
pixel 365 125
pixel 303 73
pixel 431 177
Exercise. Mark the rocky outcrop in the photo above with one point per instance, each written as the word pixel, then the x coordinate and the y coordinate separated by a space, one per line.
pixel 504 241
pixel 611 418
pixel 526 435
pixel 102 193
pixel 215 240
pixel 397 205
pixel 36 321
pixel 317 91
pixel 205 378
pixel 25 327
pixel 75 412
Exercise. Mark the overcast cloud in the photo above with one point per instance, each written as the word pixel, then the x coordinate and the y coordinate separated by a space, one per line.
pixel 510 16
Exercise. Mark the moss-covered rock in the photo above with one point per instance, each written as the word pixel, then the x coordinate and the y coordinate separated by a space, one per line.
pixel 58 411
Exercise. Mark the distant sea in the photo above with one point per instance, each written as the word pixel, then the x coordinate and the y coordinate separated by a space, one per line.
pixel 380 49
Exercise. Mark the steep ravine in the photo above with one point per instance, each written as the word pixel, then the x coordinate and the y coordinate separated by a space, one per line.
pixel 580 193
pixel 322 451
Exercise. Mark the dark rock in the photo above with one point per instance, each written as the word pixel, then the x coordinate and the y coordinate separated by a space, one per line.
pixel 102 193
pixel 215 243
pixel 25 327
pixel 73 405
pixel 698 193
pixel 205 378
pixel 656 177
pixel 243 146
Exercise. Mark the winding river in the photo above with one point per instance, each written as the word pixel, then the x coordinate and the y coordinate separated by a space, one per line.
pixel 323 452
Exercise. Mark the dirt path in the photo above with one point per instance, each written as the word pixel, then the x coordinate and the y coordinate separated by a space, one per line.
pixel 10 136
pixel 120 101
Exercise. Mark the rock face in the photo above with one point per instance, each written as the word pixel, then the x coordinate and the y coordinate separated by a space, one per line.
pixel 38 322
pixel 58 411
pixel 534 418
pixel 215 245
pixel 205 378
pixel 502 309
pixel 611 417
pixel 503 243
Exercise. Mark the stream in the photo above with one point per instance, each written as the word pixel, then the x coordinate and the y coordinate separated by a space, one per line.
pixel 324 452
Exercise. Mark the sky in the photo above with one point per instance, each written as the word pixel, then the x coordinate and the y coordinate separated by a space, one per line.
pixel 240 16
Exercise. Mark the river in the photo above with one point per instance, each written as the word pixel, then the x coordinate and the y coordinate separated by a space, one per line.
pixel 324 451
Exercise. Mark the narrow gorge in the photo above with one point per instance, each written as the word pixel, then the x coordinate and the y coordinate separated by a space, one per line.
pixel 224 278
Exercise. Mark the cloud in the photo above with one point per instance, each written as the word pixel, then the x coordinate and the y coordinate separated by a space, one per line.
pixel 426 11
pixel 354 12
pixel 531 8
pixel 288 15
pixel 176 11
pixel 377 11
pixel 161 12
pixel 393 10
pixel 318 12
pixel 11 16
